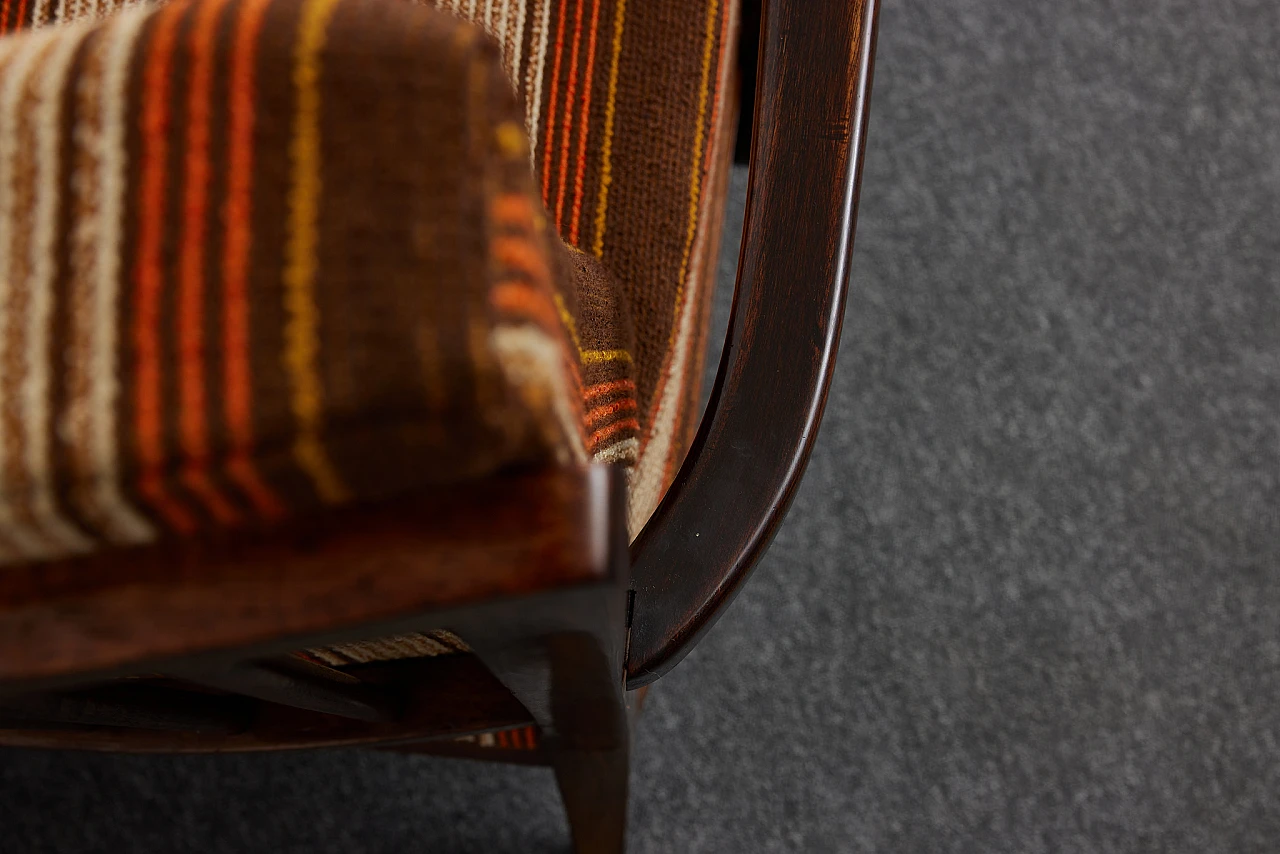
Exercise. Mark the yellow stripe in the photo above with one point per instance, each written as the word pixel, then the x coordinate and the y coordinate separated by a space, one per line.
pixel 695 184
pixel 567 319
pixel 606 156
pixel 595 357
pixel 588 357
pixel 302 342
pixel 513 141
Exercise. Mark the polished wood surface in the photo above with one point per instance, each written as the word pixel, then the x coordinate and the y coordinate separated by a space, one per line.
pixel 524 556
pixel 355 574
pixel 571 681
pixel 532 570
pixel 730 495
pixel 565 664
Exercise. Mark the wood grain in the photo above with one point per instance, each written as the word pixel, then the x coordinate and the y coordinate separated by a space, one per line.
pixel 735 486
pixel 354 574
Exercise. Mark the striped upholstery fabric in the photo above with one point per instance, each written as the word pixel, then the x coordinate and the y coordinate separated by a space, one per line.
pixel 219 305
pixel 259 256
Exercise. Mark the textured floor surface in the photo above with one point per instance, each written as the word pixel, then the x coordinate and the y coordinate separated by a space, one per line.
pixel 1028 598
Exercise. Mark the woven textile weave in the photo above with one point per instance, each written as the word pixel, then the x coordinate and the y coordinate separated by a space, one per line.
pixel 236 285
pixel 224 300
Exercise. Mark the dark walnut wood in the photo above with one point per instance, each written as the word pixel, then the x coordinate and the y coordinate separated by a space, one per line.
pixel 542 601
pixel 202 605
pixel 730 495
pixel 571 681
pixel 185 646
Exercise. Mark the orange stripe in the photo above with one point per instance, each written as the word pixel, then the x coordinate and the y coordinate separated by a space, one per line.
pixel 514 210
pixel 602 412
pixel 582 126
pixel 568 115
pixel 148 274
pixel 524 256
pixel 551 109
pixel 4 18
pixel 616 427
pixel 519 298
pixel 22 13
pixel 601 389
pixel 192 423
pixel 715 102
pixel 237 379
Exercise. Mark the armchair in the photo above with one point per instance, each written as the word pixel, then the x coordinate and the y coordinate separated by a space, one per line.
pixel 346 396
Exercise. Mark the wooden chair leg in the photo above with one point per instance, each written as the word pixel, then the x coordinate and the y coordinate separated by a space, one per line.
pixel 571 681
pixel 591 746
pixel 593 785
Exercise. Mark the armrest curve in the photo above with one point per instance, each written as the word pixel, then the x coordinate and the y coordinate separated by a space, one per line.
pixel 742 470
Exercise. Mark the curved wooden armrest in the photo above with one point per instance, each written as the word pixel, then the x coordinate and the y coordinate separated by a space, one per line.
pixel 751 449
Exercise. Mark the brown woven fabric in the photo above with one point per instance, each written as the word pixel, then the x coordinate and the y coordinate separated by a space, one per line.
pixel 627 106
pixel 262 255
pixel 628 103
pixel 224 300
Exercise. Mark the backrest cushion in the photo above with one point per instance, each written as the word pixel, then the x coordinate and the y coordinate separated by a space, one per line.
pixel 627 106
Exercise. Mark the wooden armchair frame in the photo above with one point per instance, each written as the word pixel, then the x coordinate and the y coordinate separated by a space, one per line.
pixel 185 646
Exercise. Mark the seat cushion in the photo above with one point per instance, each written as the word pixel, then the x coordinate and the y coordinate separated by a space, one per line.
pixel 628 104
pixel 233 285
pixel 624 108
pixel 258 256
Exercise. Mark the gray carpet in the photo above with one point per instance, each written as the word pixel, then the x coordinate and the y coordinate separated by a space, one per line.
pixel 1028 598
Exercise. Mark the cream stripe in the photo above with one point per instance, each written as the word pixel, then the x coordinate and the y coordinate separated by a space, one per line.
pixel 619 452
pixel 534 364
pixel 123 522
pixel 488 15
pixel 38 11
pixel 522 8
pixel 537 69
pixel 504 38
pixel 29 49
pixel 11 50
pixel 86 136
pixel 36 409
